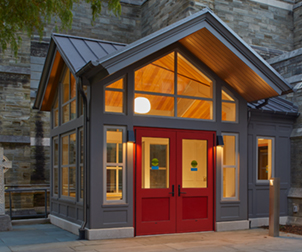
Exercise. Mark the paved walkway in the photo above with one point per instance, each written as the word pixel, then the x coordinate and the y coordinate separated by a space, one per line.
pixel 46 237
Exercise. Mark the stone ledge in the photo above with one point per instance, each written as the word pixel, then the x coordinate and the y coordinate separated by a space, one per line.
pixel 64 224
pixel 110 233
pixel 14 139
pixel 295 193
pixel 15 70
pixel 294 220
pixel 285 56
pixel 232 225
pixel 258 222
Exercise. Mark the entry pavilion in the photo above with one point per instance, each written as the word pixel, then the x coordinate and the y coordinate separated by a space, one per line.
pixel 176 132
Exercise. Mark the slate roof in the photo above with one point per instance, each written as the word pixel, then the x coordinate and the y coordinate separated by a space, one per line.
pixel 275 105
pixel 78 51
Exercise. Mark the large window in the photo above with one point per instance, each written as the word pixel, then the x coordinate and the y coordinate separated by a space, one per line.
pixel 68 165
pixel 228 107
pixel 187 94
pixel 265 158
pixel 68 97
pixel 230 166
pixel 115 146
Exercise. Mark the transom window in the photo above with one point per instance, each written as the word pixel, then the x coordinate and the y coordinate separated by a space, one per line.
pixel 68 97
pixel 174 87
pixel 228 107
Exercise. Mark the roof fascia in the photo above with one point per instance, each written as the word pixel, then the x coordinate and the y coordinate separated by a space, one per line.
pixel 154 42
pixel 277 114
pixel 45 75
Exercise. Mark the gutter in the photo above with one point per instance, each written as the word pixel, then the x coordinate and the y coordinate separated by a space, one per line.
pixel 82 229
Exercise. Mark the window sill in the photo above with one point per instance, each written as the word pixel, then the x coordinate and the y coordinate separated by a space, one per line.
pixel 232 201
pixel 115 204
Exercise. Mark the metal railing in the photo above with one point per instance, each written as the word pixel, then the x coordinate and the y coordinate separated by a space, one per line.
pixel 10 191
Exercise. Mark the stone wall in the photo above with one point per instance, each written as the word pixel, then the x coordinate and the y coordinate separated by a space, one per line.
pixel 271 29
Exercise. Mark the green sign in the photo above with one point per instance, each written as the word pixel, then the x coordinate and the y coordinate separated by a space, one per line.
pixel 194 163
pixel 154 162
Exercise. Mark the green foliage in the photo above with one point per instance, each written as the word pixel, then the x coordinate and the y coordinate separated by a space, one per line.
pixel 28 16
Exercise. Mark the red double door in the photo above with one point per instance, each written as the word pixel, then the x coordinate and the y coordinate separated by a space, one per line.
pixel 174 181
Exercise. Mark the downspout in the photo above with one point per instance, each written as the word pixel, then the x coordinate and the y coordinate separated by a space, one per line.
pixel 82 229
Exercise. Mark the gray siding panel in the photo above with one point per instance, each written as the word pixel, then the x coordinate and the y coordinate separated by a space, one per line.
pixel 280 128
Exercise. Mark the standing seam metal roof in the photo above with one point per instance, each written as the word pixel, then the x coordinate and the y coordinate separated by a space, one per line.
pixel 78 51
pixel 275 105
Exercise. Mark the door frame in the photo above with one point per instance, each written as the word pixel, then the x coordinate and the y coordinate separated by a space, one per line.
pixel 169 130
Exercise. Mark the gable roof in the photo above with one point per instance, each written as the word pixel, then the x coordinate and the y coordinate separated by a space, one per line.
pixel 76 52
pixel 203 34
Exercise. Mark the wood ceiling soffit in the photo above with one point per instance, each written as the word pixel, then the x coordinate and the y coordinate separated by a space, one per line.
pixel 227 65
pixel 53 81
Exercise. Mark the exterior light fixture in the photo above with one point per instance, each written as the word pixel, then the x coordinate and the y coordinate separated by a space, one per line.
pixel 141 105
pixel 219 141
pixel 130 136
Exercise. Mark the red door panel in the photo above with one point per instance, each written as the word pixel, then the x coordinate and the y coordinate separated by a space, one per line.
pixel 155 207
pixel 195 205
pixel 176 208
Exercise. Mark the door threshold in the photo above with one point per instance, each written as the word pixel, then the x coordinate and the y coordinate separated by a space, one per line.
pixel 186 233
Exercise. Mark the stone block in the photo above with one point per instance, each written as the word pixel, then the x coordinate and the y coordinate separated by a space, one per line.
pixel 5 223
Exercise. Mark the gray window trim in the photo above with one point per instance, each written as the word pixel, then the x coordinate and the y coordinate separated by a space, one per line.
pixel 123 200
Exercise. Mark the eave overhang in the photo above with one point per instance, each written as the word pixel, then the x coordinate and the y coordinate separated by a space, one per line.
pixel 216 45
pixel 203 34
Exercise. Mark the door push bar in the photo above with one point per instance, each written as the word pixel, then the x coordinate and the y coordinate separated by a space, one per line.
pixel 172 191
pixel 179 192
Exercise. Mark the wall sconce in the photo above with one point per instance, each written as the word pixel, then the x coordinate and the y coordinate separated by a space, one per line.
pixel 141 105
pixel 130 136
pixel 219 141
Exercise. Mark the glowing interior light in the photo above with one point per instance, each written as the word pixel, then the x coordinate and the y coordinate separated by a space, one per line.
pixel 141 105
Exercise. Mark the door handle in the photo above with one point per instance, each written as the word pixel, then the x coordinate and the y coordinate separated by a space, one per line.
pixel 179 192
pixel 172 191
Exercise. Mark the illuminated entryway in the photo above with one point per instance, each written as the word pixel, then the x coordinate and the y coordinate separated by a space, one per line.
pixel 174 181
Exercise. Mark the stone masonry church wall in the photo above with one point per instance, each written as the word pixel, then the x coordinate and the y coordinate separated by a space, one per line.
pixel 271 27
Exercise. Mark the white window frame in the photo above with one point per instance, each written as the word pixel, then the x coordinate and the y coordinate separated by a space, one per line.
pixel 123 165
pixel 236 104
pixel 236 198
pixel 265 181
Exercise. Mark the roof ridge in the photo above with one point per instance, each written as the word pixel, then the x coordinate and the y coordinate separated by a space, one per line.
pixel 85 38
